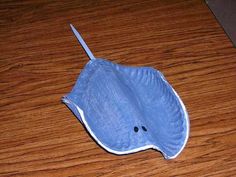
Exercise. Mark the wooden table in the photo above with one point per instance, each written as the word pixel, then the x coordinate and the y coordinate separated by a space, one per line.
pixel 41 59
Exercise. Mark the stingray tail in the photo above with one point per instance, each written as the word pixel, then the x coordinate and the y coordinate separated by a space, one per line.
pixel 82 43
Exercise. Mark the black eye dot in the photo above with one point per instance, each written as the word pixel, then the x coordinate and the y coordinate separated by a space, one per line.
pixel 136 129
pixel 144 128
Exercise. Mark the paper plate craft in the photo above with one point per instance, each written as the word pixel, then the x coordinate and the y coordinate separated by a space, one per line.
pixel 128 109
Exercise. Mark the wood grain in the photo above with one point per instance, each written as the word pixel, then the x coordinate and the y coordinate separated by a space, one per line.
pixel 41 59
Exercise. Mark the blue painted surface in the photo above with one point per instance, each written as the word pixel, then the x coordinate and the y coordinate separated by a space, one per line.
pixel 115 99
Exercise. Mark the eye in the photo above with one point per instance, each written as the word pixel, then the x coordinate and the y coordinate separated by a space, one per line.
pixel 135 129
pixel 144 128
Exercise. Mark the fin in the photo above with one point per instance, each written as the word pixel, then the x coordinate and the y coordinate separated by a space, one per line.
pixel 82 43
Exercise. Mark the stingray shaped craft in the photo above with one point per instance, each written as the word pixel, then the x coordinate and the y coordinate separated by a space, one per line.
pixel 128 109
